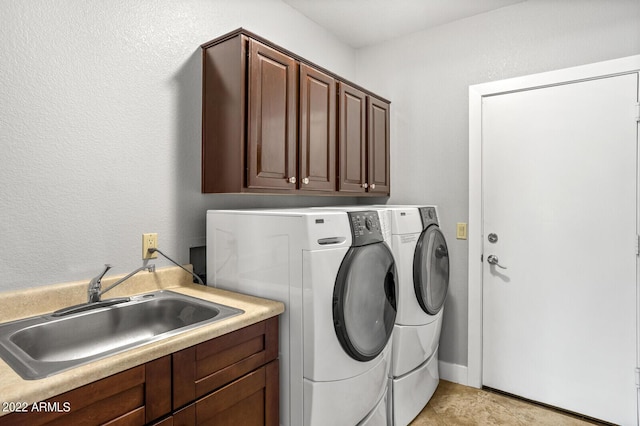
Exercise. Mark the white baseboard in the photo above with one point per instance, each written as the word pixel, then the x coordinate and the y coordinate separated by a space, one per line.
pixel 453 372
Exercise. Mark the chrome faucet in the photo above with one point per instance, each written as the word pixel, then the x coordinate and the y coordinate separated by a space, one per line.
pixel 95 287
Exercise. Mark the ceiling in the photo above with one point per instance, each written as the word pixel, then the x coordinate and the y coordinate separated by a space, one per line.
pixel 360 23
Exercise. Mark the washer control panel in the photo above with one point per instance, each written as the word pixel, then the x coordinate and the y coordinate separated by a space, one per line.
pixel 428 216
pixel 365 227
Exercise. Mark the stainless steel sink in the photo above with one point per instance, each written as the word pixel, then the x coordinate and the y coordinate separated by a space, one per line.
pixel 44 345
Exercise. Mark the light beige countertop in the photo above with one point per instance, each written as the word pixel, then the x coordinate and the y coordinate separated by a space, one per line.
pixel 41 300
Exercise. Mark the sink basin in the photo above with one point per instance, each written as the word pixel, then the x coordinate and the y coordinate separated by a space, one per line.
pixel 44 345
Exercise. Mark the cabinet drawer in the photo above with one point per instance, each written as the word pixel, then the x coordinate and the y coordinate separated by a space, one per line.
pixel 203 368
pixel 95 403
pixel 251 400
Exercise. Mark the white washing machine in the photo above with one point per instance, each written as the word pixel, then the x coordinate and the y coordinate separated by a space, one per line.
pixel 422 259
pixel 337 279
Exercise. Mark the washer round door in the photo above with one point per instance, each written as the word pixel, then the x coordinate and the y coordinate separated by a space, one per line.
pixel 431 270
pixel 364 300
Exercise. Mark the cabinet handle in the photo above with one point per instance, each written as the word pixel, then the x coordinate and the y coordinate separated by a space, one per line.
pixel 373 186
pixel 305 181
pixel 365 185
pixel 292 179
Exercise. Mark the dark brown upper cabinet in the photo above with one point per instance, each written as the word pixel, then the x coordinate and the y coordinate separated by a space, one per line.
pixel 353 139
pixel 317 130
pixel 364 142
pixel 273 122
pixel 378 146
pixel 272 117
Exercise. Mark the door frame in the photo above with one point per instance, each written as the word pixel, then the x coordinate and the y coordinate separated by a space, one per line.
pixel 610 68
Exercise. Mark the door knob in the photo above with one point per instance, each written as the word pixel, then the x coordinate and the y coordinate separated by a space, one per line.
pixel 372 186
pixel 291 179
pixel 365 185
pixel 305 181
pixel 493 260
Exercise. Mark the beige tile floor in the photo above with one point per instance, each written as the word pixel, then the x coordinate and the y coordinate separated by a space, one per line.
pixel 454 404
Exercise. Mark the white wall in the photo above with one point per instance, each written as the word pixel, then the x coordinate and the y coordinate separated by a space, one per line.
pixel 426 76
pixel 100 119
pixel 100 127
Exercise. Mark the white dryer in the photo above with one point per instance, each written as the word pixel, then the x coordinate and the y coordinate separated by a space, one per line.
pixel 338 282
pixel 422 258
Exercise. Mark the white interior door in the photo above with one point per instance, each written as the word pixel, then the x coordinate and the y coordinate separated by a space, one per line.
pixel 559 193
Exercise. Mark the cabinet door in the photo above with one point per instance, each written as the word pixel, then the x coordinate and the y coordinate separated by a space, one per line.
pixel 272 119
pixel 378 146
pixel 252 400
pixel 353 139
pixel 317 130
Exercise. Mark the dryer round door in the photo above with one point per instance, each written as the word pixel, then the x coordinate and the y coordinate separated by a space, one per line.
pixel 431 270
pixel 364 300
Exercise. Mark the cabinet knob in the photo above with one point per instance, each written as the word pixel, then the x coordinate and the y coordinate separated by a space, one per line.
pixel 292 179
pixel 373 186
pixel 305 181
pixel 365 185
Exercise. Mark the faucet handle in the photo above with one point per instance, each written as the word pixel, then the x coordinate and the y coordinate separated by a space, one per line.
pixel 95 285
pixel 107 266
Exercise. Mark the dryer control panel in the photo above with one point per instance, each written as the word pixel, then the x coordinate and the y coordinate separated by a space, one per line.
pixel 365 227
pixel 428 216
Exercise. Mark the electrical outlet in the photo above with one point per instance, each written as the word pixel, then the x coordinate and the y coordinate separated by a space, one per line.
pixel 149 241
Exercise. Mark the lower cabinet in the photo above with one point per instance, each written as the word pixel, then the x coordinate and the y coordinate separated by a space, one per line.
pixel 250 400
pixel 229 380
pixel 132 397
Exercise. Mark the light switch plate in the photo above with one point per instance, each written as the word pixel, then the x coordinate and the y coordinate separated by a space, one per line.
pixel 461 231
